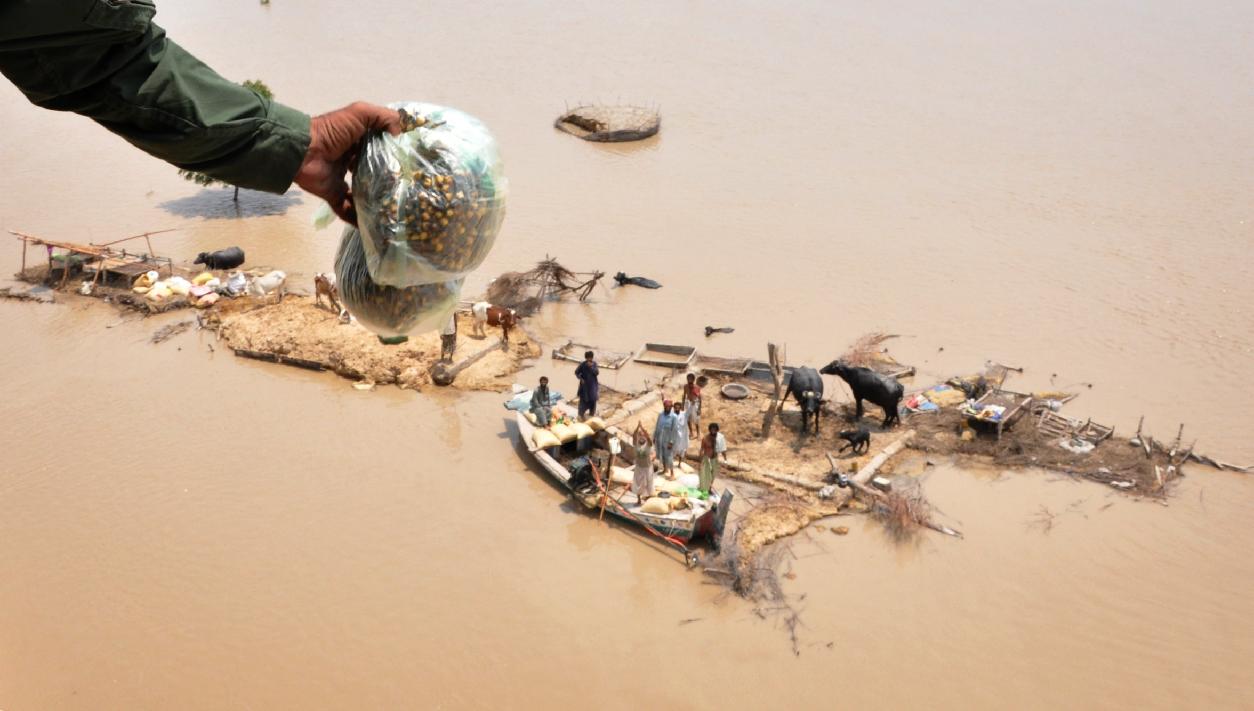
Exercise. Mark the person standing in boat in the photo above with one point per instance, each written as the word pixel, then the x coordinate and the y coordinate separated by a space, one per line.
pixel 711 446
pixel 681 433
pixel 664 439
pixel 589 387
pixel 642 479
pixel 542 403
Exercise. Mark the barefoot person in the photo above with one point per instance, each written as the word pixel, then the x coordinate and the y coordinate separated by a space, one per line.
pixel 681 432
pixel 448 339
pixel 692 405
pixel 642 478
pixel 664 439
pixel 711 446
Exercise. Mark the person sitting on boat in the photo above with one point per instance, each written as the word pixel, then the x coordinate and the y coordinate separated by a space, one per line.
pixel 664 439
pixel 681 432
pixel 542 403
pixel 642 479
pixel 711 446
pixel 589 386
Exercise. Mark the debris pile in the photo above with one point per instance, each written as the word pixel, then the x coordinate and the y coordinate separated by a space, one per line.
pixel 526 291
pixel 610 124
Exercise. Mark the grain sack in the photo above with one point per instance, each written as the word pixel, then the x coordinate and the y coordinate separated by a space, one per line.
pixel 544 439
pixel 656 505
pixel 563 433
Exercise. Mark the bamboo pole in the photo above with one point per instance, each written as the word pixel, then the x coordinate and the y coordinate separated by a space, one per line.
pixel 145 235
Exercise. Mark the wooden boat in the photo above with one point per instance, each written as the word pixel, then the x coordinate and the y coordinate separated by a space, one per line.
pixel 702 520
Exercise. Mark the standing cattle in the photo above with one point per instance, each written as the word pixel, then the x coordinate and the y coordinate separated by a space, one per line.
pixel 807 387
pixel 228 258
pixel 324 285
pixel 870 385
pixel 271 283
pixel 488 315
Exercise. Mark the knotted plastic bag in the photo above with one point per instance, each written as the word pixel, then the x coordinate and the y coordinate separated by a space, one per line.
pixel 429 201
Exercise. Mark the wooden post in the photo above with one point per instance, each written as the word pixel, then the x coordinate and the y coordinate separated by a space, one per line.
pixel 776 359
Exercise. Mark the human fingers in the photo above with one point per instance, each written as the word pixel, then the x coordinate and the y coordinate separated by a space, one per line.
pixel 345 211
pixel 377 118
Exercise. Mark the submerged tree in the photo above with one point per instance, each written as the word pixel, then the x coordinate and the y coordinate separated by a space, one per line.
pixel 262 90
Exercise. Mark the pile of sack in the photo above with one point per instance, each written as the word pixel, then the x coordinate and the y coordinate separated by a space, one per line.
pixel 202 291
pixel 205 288
pixel 563 429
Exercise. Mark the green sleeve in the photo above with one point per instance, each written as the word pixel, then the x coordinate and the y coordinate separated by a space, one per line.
pixel 106 60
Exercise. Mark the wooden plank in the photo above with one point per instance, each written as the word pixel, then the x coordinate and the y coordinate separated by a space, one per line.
pixel 613 360
pixel 725 366
pixel 281 359
pixel 665 355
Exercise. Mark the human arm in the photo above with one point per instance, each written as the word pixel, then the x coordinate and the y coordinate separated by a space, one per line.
pixel 106 60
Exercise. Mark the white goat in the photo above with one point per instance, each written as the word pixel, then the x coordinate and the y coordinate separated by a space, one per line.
pixel 480 310
pixel 272 283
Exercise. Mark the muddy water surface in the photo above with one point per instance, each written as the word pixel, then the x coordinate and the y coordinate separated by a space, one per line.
pixel 1065 190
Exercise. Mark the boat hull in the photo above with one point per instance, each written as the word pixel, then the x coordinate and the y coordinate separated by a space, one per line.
pixel 709 525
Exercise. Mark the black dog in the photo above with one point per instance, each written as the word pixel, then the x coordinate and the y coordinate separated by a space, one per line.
pixel 859 439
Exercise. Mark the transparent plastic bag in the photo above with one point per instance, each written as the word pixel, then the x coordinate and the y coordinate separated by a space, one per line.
pixel 429 201
pixel 389 311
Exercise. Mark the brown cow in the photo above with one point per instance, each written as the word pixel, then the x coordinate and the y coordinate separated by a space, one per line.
pixel 487 314
pixel 324 285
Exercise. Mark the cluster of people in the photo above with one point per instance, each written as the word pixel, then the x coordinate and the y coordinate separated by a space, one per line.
pixel 677 424
pixel 589 389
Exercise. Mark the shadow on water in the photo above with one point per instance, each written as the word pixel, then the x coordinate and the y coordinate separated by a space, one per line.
pixel 218 204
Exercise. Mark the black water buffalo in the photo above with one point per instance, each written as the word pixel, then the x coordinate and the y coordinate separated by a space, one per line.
pixel 624 280
pixel 869 385
pixel 228 258
pixel 807 387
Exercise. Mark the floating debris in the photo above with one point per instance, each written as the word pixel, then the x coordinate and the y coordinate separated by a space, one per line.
pixel 610 124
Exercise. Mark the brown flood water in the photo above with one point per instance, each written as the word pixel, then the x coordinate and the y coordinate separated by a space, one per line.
pixel 1061 188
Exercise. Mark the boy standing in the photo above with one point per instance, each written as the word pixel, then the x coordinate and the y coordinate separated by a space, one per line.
pixel 711 446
